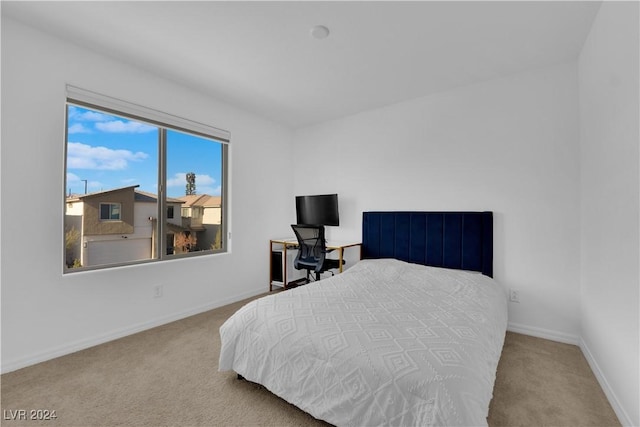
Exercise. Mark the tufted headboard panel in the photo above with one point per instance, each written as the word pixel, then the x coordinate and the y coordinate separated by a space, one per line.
pixel 458 240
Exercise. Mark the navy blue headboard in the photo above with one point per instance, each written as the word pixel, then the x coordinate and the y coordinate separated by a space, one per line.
pixel 459 240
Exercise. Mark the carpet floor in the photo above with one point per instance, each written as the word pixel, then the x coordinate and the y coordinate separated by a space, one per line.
pixel 168 376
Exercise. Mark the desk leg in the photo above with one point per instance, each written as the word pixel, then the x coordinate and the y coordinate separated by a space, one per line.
pixel 341 252
pixel 270 266
pixel 284 266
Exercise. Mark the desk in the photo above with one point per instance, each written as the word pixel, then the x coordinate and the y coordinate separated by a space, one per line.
pixel 292 243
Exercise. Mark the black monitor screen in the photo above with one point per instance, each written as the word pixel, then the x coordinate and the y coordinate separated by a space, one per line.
pixel 317 210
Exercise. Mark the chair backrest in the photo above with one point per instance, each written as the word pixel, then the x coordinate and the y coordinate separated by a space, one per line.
pixel 312 246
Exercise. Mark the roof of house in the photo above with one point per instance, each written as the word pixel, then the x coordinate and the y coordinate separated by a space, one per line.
pixel 204 200
pixel 139 196
pixel 76 197
pixel 143 196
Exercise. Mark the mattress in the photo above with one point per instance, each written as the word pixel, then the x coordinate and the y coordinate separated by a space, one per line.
pixel 384 343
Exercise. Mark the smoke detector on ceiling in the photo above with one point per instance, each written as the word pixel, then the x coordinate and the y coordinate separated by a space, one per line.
pixel 319 32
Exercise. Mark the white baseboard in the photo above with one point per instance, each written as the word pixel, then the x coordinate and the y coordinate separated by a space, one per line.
pixel 544 333
pixel 52 353
pixel 622 415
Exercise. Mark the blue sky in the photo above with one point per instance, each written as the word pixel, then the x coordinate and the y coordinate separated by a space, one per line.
pixel 112 152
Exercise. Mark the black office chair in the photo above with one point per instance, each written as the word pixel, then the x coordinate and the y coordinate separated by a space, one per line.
pixel 312 250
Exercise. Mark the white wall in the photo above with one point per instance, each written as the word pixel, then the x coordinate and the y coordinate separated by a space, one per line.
pixel 609 124
pixel 507 145
pixel 46 313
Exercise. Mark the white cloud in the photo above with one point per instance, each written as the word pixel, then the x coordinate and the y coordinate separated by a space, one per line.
pixel 83 156
pixel 94 116
pixel 204 179
pixel 72 178
pixel 179 178
pixel 119 126
pixel 104 122
pixel 88 116
pixel 78 128
pixel 212 191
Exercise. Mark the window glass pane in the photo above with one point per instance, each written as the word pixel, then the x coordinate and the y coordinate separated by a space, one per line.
pixel 111 174
pixel 114 213
pixel 194 185
pixel 104 211
pixel 109 211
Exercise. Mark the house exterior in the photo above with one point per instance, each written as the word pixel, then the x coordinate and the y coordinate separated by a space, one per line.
pixel 202 214
pixel 116 226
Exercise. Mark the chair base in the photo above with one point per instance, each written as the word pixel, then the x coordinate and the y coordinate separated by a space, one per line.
pixel 297 282
pixel 308 279
pixel 317 277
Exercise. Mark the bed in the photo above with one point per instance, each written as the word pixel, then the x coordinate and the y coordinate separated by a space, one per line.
pixel 409 335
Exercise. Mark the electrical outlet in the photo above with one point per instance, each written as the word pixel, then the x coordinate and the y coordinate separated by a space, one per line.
pixel 514 295
pixel 157 291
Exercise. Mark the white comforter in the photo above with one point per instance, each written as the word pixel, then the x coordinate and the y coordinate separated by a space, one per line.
pixel 384 343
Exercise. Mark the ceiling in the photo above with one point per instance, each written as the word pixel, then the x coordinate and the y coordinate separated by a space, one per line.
pixel 260 56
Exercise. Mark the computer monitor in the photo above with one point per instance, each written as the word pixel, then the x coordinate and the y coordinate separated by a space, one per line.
pixel 319 209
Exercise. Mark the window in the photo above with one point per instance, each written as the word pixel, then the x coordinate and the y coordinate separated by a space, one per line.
pixel 110 211
pixel 128 171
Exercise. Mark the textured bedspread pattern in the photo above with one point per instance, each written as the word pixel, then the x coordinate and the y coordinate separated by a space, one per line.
pixel 384 343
